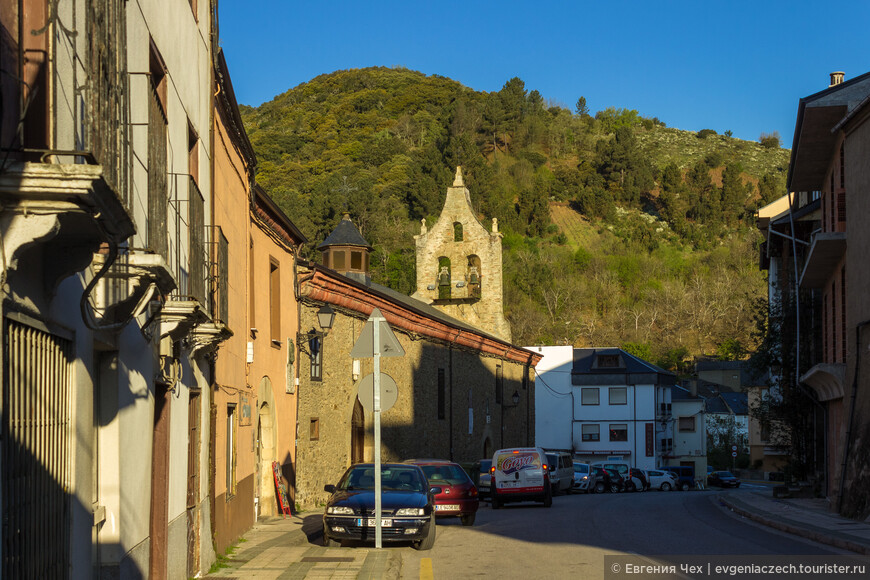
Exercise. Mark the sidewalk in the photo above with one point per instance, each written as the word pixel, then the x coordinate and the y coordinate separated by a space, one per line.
pixel 808 518
pixel 285 549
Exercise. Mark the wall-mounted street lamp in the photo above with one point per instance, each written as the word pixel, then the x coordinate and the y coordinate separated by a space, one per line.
pixel 325 319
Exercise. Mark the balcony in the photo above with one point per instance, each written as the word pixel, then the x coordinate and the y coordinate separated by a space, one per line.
pixel 826 251
pixel 66 209
pixel 826 380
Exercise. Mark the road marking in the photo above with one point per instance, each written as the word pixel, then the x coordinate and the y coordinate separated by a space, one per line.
pixel 426 572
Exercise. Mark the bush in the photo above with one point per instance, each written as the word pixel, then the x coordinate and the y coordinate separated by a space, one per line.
pixel 770 140
pixel 714 159
pixel 704 133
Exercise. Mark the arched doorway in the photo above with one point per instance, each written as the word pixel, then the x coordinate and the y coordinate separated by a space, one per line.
pixel 357 434
pixel 266 451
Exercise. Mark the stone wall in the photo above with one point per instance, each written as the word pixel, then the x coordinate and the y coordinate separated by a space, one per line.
pixel 473 423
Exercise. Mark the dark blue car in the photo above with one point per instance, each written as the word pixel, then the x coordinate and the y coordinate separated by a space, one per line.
pixel 685 476
pixel 723 479
pixel 407 506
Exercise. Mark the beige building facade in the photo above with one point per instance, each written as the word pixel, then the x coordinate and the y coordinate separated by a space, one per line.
pixel 254 403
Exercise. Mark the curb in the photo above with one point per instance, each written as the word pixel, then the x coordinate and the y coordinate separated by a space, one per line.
pixel 799 531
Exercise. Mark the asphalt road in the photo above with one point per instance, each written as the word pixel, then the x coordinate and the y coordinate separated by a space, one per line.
pixel 571 538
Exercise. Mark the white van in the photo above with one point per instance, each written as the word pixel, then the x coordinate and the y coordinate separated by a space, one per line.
pixel 561 471
pixel 520 474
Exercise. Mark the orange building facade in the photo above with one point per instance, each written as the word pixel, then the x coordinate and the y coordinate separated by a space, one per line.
pixel 254 403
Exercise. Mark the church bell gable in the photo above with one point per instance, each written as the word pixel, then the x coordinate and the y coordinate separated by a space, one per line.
pixel 459 264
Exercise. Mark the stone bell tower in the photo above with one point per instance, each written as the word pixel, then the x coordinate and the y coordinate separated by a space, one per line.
pixel 459 267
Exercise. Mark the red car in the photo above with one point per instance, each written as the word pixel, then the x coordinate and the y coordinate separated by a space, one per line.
pixel 458 495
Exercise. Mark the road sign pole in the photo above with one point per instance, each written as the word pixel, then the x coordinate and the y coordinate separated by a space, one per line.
pixel 377 413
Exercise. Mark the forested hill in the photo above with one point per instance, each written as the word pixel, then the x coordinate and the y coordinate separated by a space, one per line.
pixel 618 230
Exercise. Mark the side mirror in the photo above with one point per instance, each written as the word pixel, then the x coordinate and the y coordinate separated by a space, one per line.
pixel 435 490
pixel 329 487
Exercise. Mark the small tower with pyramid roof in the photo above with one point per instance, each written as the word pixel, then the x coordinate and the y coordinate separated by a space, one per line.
pixel 346 251
pixel 459 265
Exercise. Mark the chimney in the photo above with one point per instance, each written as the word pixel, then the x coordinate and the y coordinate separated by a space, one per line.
pixel 836 78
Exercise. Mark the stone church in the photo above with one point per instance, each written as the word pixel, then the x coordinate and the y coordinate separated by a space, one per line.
pixel 463 390
pixel 459 266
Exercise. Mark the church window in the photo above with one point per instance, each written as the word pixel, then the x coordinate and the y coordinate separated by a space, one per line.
pixel 457 232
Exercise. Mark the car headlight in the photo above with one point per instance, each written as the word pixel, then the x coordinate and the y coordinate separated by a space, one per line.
pixel 339 510
pixel 410 512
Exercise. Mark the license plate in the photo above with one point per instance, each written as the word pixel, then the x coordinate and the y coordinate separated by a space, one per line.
pixel 370 522
pixel 509 483
pixel 447 507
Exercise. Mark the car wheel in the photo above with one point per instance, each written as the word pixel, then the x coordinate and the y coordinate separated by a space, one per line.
pixel 548 498
pixel 429 541
pixel 630 486
pixel 327 541
pixel 496 503
pixel 468 519
pixel 614 488
pixel 599 487
pixel 666 486
pixel 685 486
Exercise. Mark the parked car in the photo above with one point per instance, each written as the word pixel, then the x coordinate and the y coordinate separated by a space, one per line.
pixel 723 479
pixel 622 468
pixel 520 474
pixel 685 476
pixel 485 477
pixel 637 480
pixel 458 495
pixel 581 477
pixel 663 480
pixel 407 506
pixel 561 471
pixel 602 480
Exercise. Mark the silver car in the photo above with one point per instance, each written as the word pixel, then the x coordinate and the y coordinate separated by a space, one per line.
pixel 581 477
pixel 663 480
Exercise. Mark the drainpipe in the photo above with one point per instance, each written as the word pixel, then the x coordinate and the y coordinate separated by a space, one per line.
pixel 450 383
pixel 842 483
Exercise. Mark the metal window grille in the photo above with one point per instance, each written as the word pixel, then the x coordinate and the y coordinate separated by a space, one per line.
pixel 196 259
pixel 35 453
pixel 222 305
pixel 107 104
pixel 843 315
pixel 157 176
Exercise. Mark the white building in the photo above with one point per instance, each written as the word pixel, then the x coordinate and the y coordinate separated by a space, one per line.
pixel 689 431
pixel 603 404
pixel 554 397
pixel 106 304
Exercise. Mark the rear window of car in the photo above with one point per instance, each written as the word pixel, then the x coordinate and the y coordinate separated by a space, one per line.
pixel 441 474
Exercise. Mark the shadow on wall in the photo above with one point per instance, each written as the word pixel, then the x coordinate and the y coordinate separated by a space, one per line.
pixel 856 501
pixel 38 538
pixel 458 404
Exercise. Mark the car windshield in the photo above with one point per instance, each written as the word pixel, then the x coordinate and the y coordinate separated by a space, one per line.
pixel 447 474
pixel 581 468
pixel 725 474
pixel 393 478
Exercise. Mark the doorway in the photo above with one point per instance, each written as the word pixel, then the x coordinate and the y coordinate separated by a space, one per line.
pixel 357 434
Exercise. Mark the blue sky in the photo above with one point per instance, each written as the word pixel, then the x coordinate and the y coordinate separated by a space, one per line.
pixel 705 64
